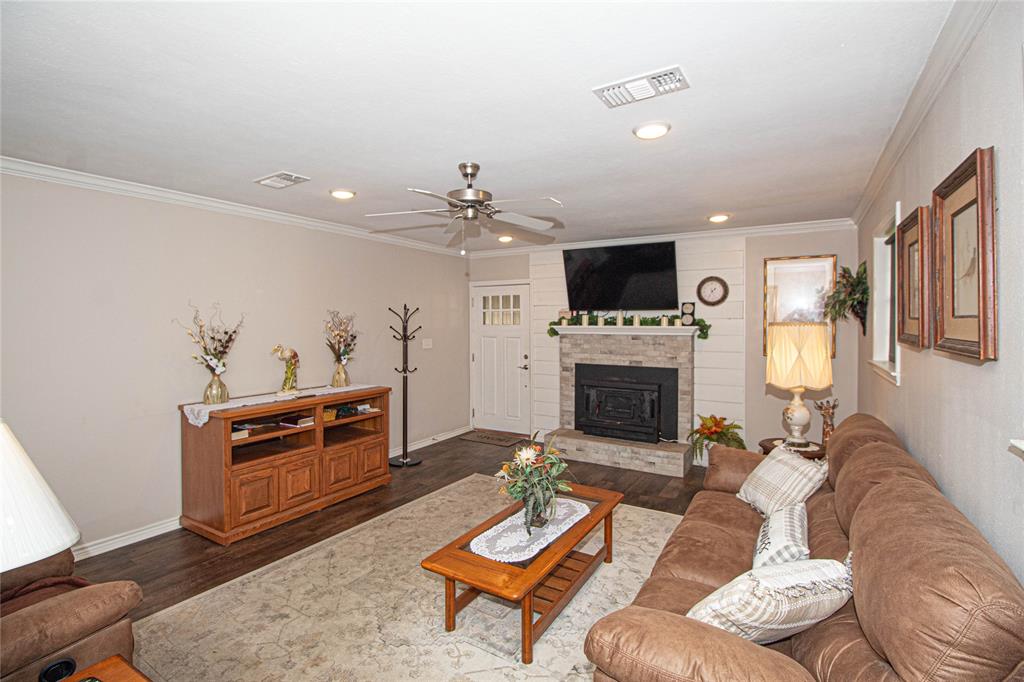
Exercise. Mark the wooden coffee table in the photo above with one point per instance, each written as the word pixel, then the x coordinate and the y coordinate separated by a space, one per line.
pixel 543 584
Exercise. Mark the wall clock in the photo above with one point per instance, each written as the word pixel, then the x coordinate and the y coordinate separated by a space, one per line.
pixel 712 291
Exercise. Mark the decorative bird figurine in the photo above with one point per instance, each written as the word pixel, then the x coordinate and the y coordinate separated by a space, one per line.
pixel 291 369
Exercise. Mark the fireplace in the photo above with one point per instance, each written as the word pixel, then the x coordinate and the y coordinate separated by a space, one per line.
pixel 632 403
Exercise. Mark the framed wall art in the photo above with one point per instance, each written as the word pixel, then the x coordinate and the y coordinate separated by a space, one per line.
pixel 965 259
pixel 795 288
pixel 913 259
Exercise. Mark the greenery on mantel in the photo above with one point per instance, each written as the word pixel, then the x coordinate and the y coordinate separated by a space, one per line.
pixel 703 328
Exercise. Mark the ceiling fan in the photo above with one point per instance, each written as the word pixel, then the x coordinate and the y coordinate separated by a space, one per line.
pixel 471 209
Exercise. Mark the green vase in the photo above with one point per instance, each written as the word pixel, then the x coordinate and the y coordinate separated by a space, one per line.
pixel 216 391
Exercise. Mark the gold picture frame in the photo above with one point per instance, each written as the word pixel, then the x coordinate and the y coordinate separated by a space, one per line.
pixel 913 293
pixel 965 259
pixel 795 288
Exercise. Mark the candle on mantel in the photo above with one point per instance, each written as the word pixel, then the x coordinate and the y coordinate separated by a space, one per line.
pixel 585 319
pixel 619 319
pixel 600 321
pixel 636 320
pixel 679 322
pixel 565 321
pixel 664 320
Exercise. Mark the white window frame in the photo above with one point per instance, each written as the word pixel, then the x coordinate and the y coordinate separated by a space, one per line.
pixel 881 301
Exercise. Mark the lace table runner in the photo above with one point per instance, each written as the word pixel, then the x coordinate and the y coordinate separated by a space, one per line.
pixel 199 413
pixel 508 542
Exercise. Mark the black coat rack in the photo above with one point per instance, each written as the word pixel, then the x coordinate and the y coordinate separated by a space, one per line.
pixel 405 336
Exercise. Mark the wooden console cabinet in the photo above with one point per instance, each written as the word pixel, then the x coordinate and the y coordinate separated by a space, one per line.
pixel 234 487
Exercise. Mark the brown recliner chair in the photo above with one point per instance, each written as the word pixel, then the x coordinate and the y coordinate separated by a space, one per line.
pixel 48 615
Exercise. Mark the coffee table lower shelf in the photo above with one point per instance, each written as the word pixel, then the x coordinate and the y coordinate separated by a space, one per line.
pixel 547 599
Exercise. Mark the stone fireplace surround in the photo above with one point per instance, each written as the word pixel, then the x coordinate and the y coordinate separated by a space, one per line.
pixel 644 347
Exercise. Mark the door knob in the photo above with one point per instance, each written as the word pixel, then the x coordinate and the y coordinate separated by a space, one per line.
pixel 524 367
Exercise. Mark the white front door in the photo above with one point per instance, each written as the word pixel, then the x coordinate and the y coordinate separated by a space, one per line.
pixel 500 360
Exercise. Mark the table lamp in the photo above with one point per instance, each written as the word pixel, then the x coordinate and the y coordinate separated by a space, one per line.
pixel 798 359
pixel 34 524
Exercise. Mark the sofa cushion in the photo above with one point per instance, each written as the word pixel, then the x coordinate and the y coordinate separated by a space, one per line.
pixel 783 537
pixel 671 594
pixel 713 542
pixel 729 467
pixel 774 602
pixel 825 536
pixel 62 563
pixel 855 431
pixel 871 465
pixel 836 649
pixel 782 479
pixel 915 553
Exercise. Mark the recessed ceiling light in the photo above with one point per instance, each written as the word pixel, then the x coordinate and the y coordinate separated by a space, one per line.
pixel 504 239
pixel 343 194
pixel 719 217
pixel 652 131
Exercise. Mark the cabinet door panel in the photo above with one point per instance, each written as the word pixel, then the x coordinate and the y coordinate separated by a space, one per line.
pixel 254 495
pixel 300 482
pixel 373 459
pixel 340 469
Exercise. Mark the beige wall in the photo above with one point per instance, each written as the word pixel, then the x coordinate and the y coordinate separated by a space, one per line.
pixel 765 403
pixel 93 368
pixel 955 416
pixel 499 268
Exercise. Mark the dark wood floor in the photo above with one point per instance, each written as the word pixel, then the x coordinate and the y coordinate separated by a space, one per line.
pixel 177 565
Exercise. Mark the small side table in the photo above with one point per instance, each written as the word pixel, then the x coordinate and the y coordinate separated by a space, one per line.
pixel 813 451
pixel 113 669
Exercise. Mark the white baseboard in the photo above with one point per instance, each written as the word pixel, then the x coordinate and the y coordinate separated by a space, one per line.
pixel 430 440
pixel 84 550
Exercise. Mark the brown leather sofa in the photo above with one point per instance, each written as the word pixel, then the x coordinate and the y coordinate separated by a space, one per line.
pixel 932 600
pixel 47 615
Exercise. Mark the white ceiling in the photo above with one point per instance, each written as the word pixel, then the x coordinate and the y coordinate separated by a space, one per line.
pixel 790 104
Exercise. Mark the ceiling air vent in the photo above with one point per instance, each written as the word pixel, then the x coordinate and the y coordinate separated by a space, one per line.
pixel 281 180
pixel 660 82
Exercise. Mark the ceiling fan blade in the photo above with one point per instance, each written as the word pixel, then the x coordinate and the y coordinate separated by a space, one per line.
pixel 406 229
pixel 422 210
pixel 524 221
pixel 442 197
pixel 452 227
pixel 536 200
pixel 501 227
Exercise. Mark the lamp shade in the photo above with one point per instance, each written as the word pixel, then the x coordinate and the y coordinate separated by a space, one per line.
pixel 35 525
pixel 799 356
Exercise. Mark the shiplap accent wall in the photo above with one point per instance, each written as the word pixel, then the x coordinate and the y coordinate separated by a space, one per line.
pixel 719 383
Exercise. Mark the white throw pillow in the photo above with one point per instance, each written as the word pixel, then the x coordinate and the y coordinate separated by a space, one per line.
pixel 773 602
pixel 782 479
pixel 783 537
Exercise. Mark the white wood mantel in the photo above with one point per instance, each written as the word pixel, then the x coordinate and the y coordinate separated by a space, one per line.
pixel 627 330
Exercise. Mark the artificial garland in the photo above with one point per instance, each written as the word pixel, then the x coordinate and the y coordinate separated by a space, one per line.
pixel 577 321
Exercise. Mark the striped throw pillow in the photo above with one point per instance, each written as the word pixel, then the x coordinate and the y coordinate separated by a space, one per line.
pixel 783 537
pixel 771 603
pixel 782 479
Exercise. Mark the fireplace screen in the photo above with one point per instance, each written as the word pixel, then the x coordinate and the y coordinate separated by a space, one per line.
pixel 633 403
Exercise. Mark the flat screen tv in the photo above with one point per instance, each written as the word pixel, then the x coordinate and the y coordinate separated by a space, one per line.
pixel 629 277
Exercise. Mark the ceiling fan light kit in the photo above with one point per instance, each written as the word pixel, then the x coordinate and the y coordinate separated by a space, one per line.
pixel 471 209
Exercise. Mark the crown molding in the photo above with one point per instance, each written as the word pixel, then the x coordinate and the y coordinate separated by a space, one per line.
pixel 963 23
pixel 73 178
pixel 755 231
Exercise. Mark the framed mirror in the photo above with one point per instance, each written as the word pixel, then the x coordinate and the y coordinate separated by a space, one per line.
pixel 913 260
pixel 965 260
pixel 795 288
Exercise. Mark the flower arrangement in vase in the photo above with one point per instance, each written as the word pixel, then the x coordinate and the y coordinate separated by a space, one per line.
pixel 291 369
pixel 215 340
pixel 714 429
pixel 532 476
pixel 341 339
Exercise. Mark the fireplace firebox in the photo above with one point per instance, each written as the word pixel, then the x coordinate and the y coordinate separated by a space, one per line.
pixel 632 403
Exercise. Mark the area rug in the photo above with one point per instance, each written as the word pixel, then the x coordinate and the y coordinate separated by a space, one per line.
pixel 491 438
pixel 357 606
